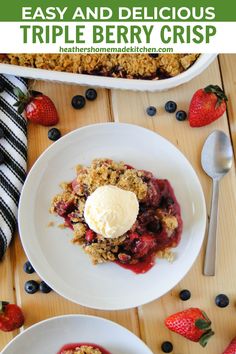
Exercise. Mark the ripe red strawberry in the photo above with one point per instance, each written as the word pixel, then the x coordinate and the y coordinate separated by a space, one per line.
pixel 192 323
pixel 231 349
pixel 38 107
pixel 90 235
pixel 11 317
pixel 206 106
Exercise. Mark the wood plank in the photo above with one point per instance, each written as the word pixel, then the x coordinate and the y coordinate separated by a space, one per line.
pixel 41 306
pixel 130 108
pixel 228 65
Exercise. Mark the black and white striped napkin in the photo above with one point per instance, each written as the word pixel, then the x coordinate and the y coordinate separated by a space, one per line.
pixel 13 150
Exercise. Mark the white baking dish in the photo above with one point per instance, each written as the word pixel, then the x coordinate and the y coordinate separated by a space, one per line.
pixel 108 82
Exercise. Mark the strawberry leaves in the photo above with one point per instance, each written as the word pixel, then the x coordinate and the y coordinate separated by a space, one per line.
pixel 221 96
pixel 205 338
pixel 3 304
pixel 23 99
pixel 202 324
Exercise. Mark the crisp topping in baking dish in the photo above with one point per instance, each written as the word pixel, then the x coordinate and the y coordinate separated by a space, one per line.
pixel 131 66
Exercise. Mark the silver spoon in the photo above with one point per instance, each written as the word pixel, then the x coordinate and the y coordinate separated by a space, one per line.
pixel 216 159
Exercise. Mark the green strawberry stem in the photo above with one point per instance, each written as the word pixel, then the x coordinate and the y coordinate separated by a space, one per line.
pixel 206 317
pixel 204 324
pixel 205 337
pixel 221 96
pixel 34 93
pixel 23 99
pixel 3 304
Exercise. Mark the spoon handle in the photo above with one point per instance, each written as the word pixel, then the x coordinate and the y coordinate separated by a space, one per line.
pixel 210 256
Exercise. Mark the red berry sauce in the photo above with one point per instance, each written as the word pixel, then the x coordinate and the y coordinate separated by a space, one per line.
pixel 141 266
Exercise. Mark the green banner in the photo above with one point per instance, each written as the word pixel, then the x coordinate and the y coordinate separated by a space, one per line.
pixel 120 10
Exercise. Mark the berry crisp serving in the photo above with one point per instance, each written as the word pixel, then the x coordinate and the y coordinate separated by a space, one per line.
pixel 82 349
pixel 154 231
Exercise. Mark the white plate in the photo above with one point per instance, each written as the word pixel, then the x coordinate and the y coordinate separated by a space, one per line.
pixel 47 337
pixel 100 81
pixel 63 265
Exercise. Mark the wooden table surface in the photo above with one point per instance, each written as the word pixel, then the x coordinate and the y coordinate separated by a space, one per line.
pixel 123 106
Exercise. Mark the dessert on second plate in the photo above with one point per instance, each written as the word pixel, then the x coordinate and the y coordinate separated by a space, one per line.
pixel 120 214
pixel 82 348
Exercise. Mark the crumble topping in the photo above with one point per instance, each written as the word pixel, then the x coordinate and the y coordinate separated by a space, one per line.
pixel 140 66
pixel 107 172
pixel 170 221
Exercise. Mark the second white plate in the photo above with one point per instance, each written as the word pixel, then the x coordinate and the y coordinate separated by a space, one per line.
pixel 49 336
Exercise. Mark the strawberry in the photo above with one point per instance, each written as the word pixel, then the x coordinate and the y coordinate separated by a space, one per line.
pixel 144 245
pixel 206 106
pixel 38 107
pixel 90 235
pixel 231 349
pixel 11 317
pixel 192 324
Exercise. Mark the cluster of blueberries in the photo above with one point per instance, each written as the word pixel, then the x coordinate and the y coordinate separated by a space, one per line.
pixel 77 102
pixel 221 300
pixel 32 286
pixel 170 107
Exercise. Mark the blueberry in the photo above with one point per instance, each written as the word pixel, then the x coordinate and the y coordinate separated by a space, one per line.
pixel 181 115
pixel 170 106
pixel 142 207
pixel 1 133
pixel 169 201
pixel 222 300
pixel 1 158
pixel 154 226
pixel 78 102
pixel 167 347
pixel 44 288
pixel 54 134
pixel 31 286
pixel 28 268
pixel 2 86
pixel 91 94
pixel 151 111
pixel 153 55
pixel 185 295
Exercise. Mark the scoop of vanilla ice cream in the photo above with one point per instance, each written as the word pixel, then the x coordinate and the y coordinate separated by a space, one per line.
pixel 111 211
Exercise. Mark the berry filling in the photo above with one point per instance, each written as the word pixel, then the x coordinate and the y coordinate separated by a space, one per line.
pixel 151 233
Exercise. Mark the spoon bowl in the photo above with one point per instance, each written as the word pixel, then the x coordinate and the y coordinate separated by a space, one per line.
pixel 216 160
pixel 217 155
